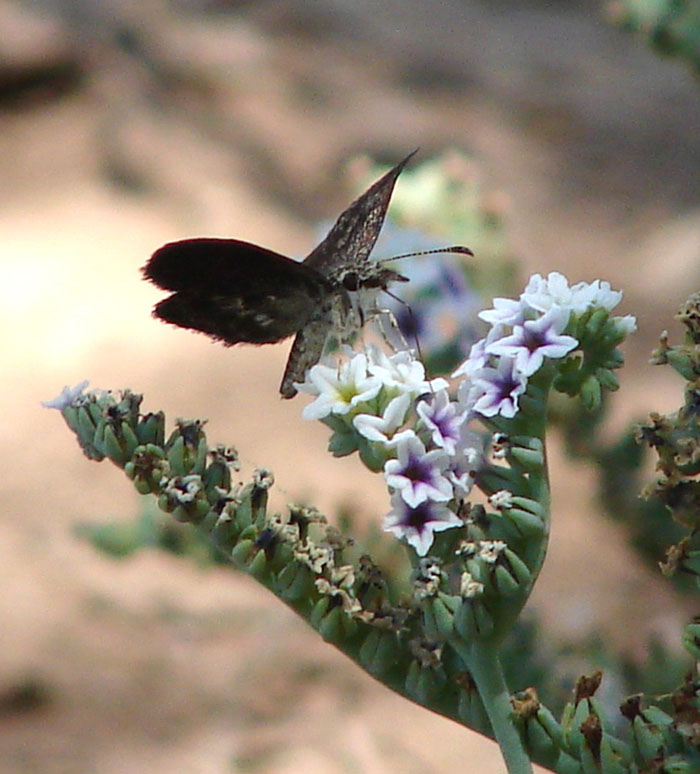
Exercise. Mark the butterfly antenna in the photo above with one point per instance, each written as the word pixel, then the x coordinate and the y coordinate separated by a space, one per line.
pixel 414 328
pixel 459 249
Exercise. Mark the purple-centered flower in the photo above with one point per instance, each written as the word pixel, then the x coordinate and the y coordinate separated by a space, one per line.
pixel 499 388
pixel 418 524
pixel 534 340
pixel 478 355
pixel 417 474
pixel 444 419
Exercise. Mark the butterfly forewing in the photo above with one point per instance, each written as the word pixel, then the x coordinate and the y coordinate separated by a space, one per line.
pixel 350 241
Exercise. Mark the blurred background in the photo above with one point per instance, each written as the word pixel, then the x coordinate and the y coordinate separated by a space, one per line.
pixel 126 124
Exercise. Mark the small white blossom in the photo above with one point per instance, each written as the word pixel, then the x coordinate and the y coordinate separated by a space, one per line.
pixel 338 389
pixel 626 324
pixel 468 587
pixel 418 525
pixel 402 372
pixel 417 474
pixel 490 550
pixel 534 340
pixel 506 311
pixel 501 499
pixel 543 294
pixel 383 429
pixel 605 297
pixel 67 397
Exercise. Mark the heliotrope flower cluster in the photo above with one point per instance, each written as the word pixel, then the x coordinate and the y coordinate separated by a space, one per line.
pixel 416 433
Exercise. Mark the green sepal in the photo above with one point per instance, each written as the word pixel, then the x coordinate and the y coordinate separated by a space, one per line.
pixel 473 620
pixel 438 619
pixel 216 476
pixel 529 505
pixel 530 459
pixel 95 410
pixel 165 503
pixel 225 531
pixel 372 455
pixel 596 322
pixel 319 611
pixel 412 675
pixel 682 362
pixel 244 511
pixel 71 416
pixel 576 741
pixel 589 765
pixel 129 440
pixel 552 727
pixel 427 685
pixel 112 448
pixel 539 743
pixel 240 553
pixel 518 568
pixel 331 625
pixel 176 457
pixel 527 524
pixel 258 566
pixel 608 379
pixel 680 764
pixel 142 486
pixel 342 444
pixel 294 582
pixel 568 765
pixel 614 757
pixel 649 739
pixel 380 651
pixel 590 393
pixel 691 640
pixel 151 429
pixel 504 582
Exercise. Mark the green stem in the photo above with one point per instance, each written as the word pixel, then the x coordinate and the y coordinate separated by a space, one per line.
pixel 481 658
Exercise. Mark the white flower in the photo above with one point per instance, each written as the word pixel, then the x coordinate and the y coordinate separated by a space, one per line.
pixel 478 355
pixel 417 474
pixel 543 294
pixel 444 418
pixel 534 340
pixel 499 389
pixel 67 397
pixel 604 296
pixel 418 524
pixel 340 388
pixel 626 324
pixel 402 372
pixel 506 311
pixel 383 429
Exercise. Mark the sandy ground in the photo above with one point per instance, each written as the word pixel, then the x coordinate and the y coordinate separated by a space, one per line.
pixel 236 125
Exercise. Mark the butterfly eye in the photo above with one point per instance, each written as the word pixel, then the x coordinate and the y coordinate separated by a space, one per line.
pixel 351 280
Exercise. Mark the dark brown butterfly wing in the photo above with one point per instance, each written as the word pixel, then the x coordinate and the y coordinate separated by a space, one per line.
pixel 234 291
pixel 350 241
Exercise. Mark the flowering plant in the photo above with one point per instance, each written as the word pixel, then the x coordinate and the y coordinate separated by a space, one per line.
pixel 473 564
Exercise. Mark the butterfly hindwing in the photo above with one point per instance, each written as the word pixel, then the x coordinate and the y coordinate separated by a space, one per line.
pixel 234 291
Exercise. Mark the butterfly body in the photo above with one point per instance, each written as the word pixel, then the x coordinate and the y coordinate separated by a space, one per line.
pixel 235 291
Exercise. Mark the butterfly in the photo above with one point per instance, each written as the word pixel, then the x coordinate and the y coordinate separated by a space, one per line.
pixel 235 291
